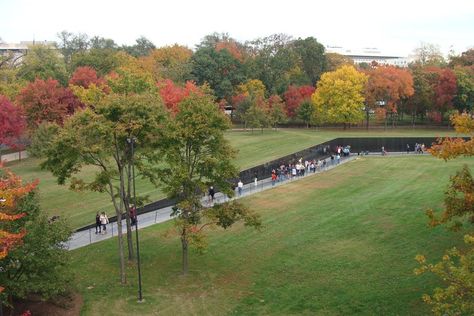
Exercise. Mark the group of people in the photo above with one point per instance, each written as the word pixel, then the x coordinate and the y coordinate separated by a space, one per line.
pixel 101 220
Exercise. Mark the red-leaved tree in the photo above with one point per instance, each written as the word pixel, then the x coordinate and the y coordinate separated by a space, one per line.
pixel 85 76
pixel 173 94
pixel 294 96
pixel 46 100
pixel 12 122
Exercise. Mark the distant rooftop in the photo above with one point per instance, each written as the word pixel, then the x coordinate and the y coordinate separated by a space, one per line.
pixel 366 51
pixel 24 45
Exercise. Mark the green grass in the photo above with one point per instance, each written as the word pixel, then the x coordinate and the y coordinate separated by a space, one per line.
pixel 254 148
pixel 339 243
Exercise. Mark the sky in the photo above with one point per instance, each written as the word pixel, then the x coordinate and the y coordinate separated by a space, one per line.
pixel 394 27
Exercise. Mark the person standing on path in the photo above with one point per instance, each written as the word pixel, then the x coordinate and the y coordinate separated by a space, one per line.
pixel 98 229
pixel 211 192
pixel 240 186
pixel 255 179
pixel 408 148
pixel 274 177
pixel 104 220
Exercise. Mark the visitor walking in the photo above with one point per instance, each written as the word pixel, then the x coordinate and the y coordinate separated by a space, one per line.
pixel 408 148
pixel 98 229
pixel 104 220
pixel 133 215
pixel 211 193
pixel 240 186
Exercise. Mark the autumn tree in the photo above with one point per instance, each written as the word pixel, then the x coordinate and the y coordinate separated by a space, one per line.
pixel 466 59
pixel 252 87
pixel 170 62
pixel 294 96
pixel 85 76
pixel 40 264
pixel 197 155
pixel 173 94
pixel 46 100
pixel 334 61
pixel 11 121
pixel 387 85
pixel 339 96
pixel 457 266
pixel 12 190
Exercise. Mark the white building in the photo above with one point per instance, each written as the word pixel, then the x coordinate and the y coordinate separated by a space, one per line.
pixel 369 55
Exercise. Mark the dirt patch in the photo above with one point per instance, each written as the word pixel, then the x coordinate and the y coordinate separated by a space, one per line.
pixel 62 306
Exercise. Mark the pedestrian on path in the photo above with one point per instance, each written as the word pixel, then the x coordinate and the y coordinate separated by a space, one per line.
pixel 240 186
pixel 255 180
pixel 98 229
pixel 211 193
pixel 104 220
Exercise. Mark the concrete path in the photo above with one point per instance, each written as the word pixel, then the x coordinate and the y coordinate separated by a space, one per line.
pixel 87 237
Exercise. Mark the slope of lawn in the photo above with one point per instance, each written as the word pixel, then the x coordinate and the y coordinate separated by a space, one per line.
pixel 338 243
pixel 253 149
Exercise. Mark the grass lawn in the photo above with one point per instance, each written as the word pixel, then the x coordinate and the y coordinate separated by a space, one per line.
pixel 254 148
pixel 339 243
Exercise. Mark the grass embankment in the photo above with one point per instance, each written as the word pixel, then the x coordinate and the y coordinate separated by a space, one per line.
pixel 339 243
pixel 254 148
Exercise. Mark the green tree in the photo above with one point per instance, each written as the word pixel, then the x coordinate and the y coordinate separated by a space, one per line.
pixel 277 112
pixel 43 62
pixel 71 44
pixel 41 138
pixel 464 99
pixel 142 47
pixel 97 136
pixel 274 62
pixel 339 96
pixel 306 112
pixel 222 71
pixel 103 60
pixel 312 58
pixel 197 155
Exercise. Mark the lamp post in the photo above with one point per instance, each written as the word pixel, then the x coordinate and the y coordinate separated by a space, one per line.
pixel 131 141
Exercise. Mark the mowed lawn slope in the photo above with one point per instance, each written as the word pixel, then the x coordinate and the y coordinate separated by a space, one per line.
pixel 338 243
pixel 253 149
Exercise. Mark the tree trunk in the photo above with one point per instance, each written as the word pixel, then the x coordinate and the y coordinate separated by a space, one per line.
pixel 131 253
pixel 184 245
pixel 367 119
pixel 123 277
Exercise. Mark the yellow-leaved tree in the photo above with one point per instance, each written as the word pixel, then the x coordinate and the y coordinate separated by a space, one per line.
pixel 339 96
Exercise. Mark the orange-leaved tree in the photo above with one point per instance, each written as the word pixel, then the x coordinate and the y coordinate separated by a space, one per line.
pixel 456 268
pixel 11 191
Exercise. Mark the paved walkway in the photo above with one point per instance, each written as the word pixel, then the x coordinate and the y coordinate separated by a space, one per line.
pixel 87 237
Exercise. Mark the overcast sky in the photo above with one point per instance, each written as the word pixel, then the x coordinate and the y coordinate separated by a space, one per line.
pixel 394 27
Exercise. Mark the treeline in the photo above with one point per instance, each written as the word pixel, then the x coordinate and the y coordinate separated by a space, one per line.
pixel 265 82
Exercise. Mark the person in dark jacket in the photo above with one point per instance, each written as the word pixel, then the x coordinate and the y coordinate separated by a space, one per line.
pixel 98 227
